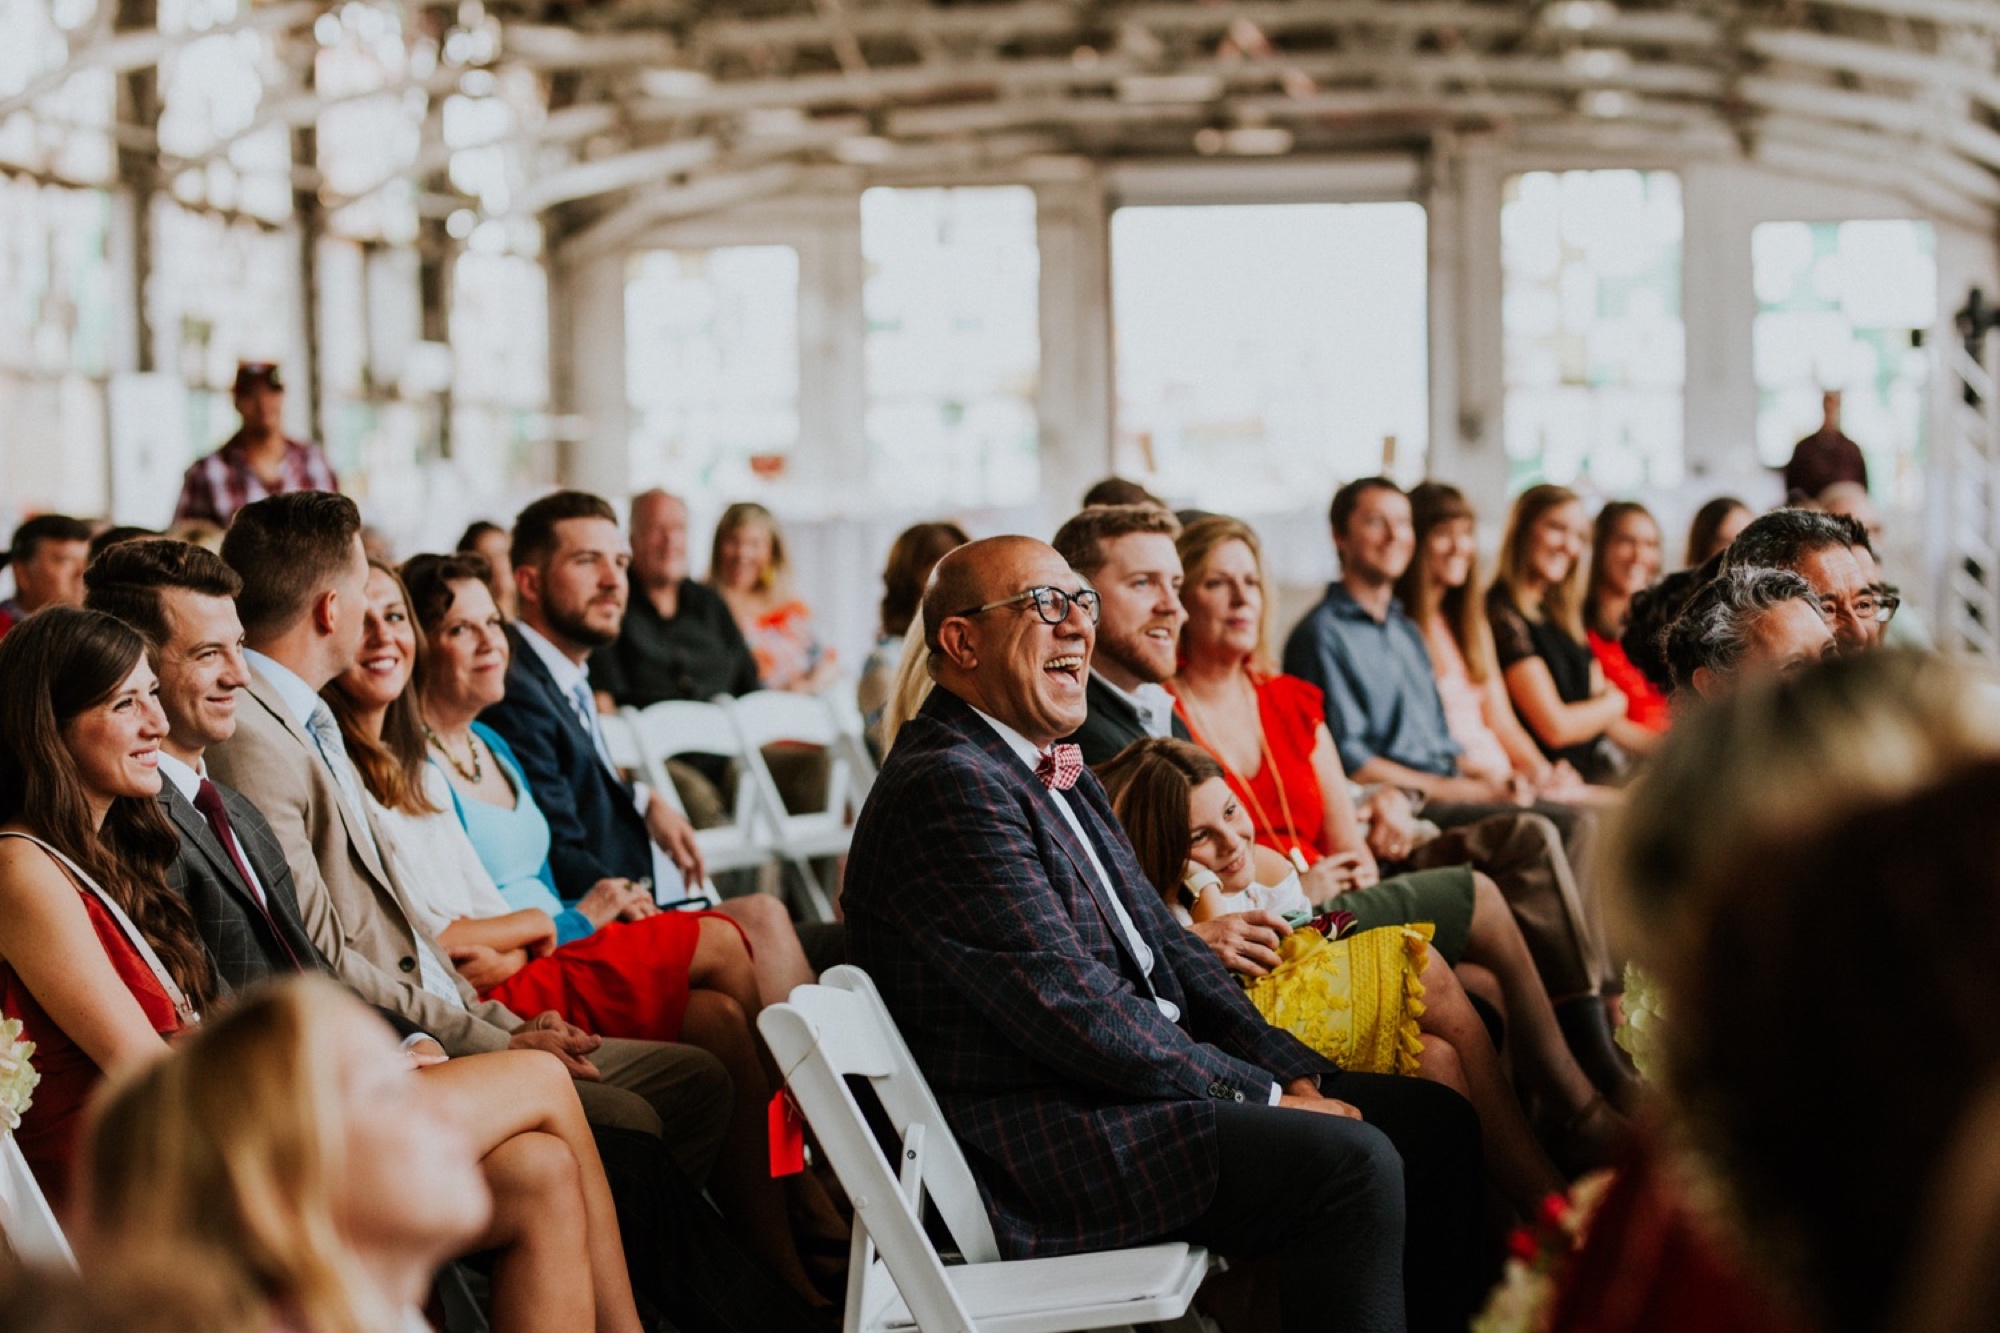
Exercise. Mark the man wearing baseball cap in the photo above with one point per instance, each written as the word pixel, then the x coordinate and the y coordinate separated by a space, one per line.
pixel 258 460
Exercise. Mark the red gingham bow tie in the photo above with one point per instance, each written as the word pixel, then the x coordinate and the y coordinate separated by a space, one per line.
pixel 1060 767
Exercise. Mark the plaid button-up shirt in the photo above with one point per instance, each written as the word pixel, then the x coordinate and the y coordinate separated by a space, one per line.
pixel 217 486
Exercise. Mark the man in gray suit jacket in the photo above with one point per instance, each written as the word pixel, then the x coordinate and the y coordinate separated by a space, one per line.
pixel 301 606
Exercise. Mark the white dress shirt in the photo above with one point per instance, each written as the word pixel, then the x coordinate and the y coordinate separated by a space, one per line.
pixel 1151 702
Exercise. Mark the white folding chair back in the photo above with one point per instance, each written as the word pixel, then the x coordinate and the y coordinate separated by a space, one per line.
pixel 767 717
pixel 676 727
pixel 839 1029
pixel 26 1219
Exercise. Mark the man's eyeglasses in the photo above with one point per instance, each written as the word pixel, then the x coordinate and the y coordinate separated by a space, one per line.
pixel 1876 605
pixel 1051 604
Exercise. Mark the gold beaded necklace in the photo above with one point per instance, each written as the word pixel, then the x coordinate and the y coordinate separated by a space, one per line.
pixel 478 773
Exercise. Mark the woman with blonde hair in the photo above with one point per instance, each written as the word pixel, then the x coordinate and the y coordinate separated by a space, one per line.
pixel 1535 608
pixel 1440 593
pixel 1268 733
pixel 748 566
pixel 284 1169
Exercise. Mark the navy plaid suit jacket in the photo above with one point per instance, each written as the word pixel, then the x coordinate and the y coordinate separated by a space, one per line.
pixel 1086 1114
pixel 595 830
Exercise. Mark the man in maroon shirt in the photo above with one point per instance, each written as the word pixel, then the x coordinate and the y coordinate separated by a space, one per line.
pixel 256 462
pixel 1824 457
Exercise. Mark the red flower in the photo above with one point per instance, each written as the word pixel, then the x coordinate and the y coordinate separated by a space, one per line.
pixel 1523 1245
pixel 1554 1209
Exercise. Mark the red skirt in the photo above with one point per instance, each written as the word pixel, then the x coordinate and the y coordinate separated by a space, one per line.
pixel 624 979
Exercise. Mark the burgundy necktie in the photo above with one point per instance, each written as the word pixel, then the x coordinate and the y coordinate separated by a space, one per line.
pixel 208 800
pixel 1060 767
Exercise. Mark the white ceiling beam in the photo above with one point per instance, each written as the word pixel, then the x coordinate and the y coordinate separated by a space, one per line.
pixel 618 172
pixel 1970 181
pixel 1925 192
pixel 1981 14
pixel 1851 55
pixel 989 22
pixel 544 46
pixel 618 229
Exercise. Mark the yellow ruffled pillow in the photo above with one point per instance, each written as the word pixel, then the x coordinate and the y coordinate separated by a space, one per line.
pixel 1354 1000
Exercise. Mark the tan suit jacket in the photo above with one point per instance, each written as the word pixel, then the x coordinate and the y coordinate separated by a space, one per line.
pixel 353 907
pixel 358 916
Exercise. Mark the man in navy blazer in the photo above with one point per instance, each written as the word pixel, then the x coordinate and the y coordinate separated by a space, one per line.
pixel 1109 1082
pixel 570 561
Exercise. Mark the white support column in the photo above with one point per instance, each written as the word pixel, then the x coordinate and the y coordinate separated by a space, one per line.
pixel 1443 293
pixel 831 457
pixel 1718 311
pixel 587 380
pixel 1478 464
pixel 1075 394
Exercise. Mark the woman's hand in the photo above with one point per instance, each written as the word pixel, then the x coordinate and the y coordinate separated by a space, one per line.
pixel 1392 823
pixel 484 968
pixel 543 942
pixel 611 900
pixel 1340 873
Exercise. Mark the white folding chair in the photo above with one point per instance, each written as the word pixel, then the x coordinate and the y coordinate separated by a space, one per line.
pixel 666 730
pixel 839 1029
pixel 26 1219
pixel 767 717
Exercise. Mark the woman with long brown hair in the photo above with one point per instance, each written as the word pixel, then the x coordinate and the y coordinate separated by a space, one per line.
pixel 1624 561
pixel 1186 827
pixel 1535 609
pixel 1440 593
pixel 98 959
pixel 912 556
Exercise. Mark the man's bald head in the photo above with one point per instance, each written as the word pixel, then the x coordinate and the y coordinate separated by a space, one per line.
pixel 967 576
pixel 1009 661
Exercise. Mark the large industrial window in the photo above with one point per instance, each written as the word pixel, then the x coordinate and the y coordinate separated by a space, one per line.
pixel 953 345
pixel 1836 305
pixel 1266 353
pixel 712 365
pixel 1596 354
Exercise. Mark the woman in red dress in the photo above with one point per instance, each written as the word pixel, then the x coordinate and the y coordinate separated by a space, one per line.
pixel 1269 732
pixel 1624 559
pixel 98 959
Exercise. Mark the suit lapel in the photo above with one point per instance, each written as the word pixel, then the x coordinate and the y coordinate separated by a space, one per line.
pixel 963 718
pixel 193 827
pixel 366 841
pixel 565 707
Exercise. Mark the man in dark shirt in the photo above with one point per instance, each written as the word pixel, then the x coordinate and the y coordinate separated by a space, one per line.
pixel 1824 457
pixel 678 639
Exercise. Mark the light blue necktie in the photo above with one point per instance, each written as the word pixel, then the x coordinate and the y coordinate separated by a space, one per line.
pixel 586 710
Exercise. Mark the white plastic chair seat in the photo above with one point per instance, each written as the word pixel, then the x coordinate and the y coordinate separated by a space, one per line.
pixel 838 1030
pixel 1076 1291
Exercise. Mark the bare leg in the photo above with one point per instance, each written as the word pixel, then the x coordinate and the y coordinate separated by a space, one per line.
pixel 540 1230
pixel 1522 1170
pixel 499 1095
pixel 781 962
pixel 722 963
pixel 1541 1055
pixel 1476 981
pixel 742 1181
